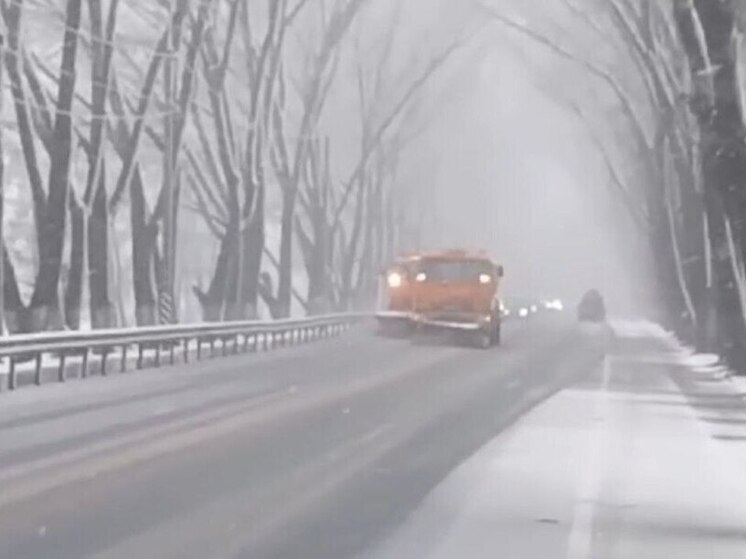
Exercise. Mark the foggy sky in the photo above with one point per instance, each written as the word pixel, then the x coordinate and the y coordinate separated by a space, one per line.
pixel 515 173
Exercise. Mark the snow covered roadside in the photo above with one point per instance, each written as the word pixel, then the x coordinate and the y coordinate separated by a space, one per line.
pixel 644 460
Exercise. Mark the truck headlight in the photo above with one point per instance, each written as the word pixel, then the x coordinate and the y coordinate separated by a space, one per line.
pixel 484 279
pixel 422 276
pixel 394 279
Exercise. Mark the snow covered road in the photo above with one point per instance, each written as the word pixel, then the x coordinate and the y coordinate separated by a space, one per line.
pixel 317 451
pixel 646 459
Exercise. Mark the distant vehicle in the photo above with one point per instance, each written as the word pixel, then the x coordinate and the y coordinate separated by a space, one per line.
pixel 554 305
pixel 521 308
pixel 592 307
pixel 458 291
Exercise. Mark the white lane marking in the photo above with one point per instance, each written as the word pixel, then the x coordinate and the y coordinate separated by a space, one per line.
pixel 580 541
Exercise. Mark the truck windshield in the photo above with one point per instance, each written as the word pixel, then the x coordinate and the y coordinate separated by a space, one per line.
pixel 455 270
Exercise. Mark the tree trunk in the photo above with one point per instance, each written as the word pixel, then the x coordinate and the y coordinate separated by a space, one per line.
pixel 98 259
pixel 74 289
pixel 214 301
pixel 44 301
pixel 16 315
pixel 143 243
pixel 350 255
pixel 316 264
pixel 253 249
pixel 285 282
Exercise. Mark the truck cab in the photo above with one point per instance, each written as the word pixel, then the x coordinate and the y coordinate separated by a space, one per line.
pixel 458 291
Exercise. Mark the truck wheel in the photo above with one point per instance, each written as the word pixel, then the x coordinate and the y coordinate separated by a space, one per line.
pixel 483 339
pixel 497 335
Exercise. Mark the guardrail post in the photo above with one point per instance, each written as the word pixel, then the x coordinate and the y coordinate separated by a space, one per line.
pixel 123 362
pixel 199 348
pixel 61 368
pixel 139 356
pixel 224 350
pixel 185 344
pixel 84 365
pixel 12 380
pixel 158 354
pixel 104 356
pixel 37 370
pixel 212 346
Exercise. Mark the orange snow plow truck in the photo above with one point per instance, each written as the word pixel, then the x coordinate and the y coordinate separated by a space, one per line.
pixel 455 290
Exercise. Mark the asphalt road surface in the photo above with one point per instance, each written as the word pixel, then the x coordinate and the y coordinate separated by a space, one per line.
pixel 312 452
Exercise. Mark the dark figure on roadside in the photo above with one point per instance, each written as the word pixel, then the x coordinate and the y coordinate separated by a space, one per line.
pixel 592 307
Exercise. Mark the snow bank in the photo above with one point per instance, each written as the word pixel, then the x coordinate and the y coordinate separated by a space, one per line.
pixel 679 353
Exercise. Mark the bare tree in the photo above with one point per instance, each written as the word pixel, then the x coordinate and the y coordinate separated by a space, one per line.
pixel 229 182
pixel 707 32
pixel 289 163
pixel 50 203
pixel 89 218
pixel 148 263
pixel 379 125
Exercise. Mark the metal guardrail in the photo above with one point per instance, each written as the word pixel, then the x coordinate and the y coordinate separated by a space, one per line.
pixel 241 336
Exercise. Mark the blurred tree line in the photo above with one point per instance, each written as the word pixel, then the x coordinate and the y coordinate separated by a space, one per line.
pixel 237 145
pixel 663 98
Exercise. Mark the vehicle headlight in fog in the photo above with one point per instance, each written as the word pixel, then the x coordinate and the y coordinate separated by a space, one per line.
pixel 558 305
pixel 394 279
pixel 485 279
pixel 422 276
pixel 523 312
pixel 534 308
